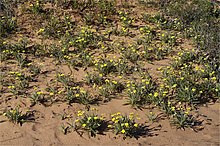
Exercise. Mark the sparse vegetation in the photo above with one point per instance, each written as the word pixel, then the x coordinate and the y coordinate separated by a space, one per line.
pixel 87 53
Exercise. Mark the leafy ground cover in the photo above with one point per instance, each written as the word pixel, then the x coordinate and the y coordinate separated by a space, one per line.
pixel 109 72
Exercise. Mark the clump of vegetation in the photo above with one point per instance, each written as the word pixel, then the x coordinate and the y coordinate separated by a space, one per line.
pixel 16 116
pixel 92 123
pixel 7 25
pixel 125 125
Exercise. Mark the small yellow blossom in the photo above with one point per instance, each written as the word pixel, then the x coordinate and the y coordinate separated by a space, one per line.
pixel 122 131
pixel 126 125
pixel 156 94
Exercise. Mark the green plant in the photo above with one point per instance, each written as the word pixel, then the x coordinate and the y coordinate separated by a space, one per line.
pixel 66 80
pixel 90 122
pixel 105 66
pixel 100 12
pixel 131 53
pixel 21 59
pixel 182 119
pixel 170 39
pixel 65 129
pixel 122 67
pixel 34 69
pixel 36 7
pixel 153 117
pixel 85 58
pixel 37 97
pixel 7 25
pixel 125 125
pixel 125 19
pixel 141 93
pixel 147 35
pixel 92 78
pixel 79 95
pixel 58 53
pixel 85 38
pixel 20 83
pixel 110 88
pixel 58 27
pixel 16 116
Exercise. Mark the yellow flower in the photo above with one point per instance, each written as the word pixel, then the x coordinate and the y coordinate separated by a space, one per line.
pixel 193 89
pixel 131 117
pixel 11 87
pixel 214 78
pixel 135 125
pixel 122 131
pixel 84 125
pixel 147 82
pixel 41 30
pixel 39 93
pixel 156 94
pixel 114 82
pixel 95 118
pixel 126 125
pixel 80 113
pixel 174 86
pixel 109 126
pixel 112 115
pixel 82 91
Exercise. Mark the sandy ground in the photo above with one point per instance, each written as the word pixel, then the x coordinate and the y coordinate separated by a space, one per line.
pixel 45 130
